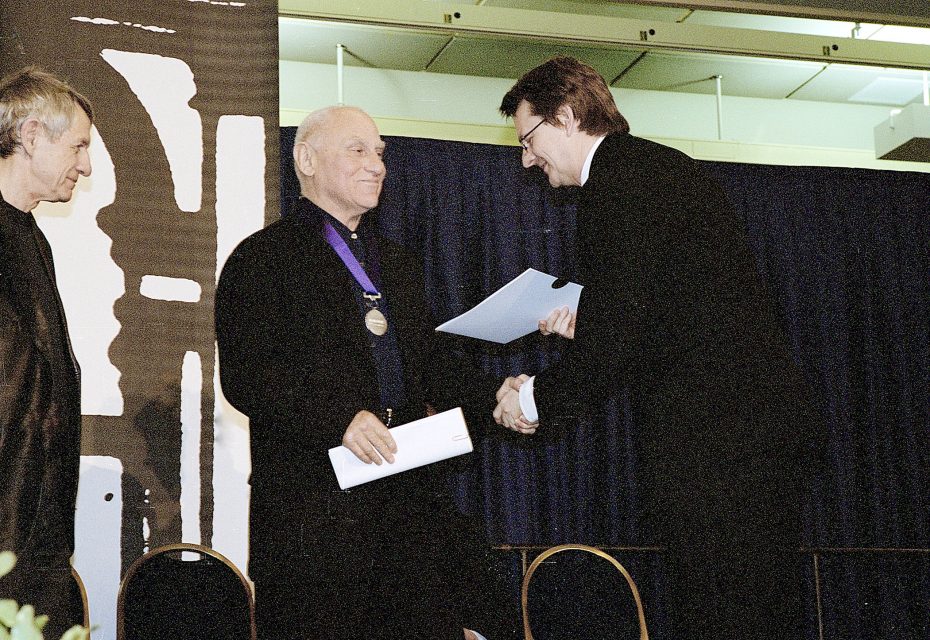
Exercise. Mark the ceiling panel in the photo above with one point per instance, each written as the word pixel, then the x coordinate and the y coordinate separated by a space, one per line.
pixel 891 33
pixel 864 85
pixel 594 7
pixel 475 56
pixel 912 12
pixel 784 24
pixel 496 56
pixel 384 48
pixel 692 73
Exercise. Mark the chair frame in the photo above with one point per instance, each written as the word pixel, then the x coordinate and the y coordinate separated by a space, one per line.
pixel 524 591
pixel 180 546
pixel 84 601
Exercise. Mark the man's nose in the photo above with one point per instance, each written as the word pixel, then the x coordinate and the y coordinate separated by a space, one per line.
pixel 84 167
pixel 376 165
pixel 529 159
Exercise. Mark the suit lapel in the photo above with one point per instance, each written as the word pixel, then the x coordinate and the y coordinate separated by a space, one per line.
pixel 45 251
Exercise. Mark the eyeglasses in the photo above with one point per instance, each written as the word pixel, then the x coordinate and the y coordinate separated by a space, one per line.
pixel 526 135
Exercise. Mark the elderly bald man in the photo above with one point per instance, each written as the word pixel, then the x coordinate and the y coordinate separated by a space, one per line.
pixel 325 339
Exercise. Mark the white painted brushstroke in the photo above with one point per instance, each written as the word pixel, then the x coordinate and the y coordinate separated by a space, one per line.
pixel 165 86
pixel 240 182
pixel 89 280
pixel 97 527
pixel 240 211
pixel 218 2
pixel 172 289
pixel 232 465
pixel 107 22
pixel 146 534
pixel 191 389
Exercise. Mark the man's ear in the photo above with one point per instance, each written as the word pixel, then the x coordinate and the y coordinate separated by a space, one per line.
pixel 29 133
pixel 566 118
pixel 305 158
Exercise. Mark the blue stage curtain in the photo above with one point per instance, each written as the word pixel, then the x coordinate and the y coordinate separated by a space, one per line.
pixel 844 253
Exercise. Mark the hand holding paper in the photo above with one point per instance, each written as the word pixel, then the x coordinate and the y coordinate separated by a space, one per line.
pixel 369 439
pixel 417 443
pixel 515 309
pixel 560 321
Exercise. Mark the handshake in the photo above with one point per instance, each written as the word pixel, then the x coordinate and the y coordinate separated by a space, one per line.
pixel 371 441
pixel 509 412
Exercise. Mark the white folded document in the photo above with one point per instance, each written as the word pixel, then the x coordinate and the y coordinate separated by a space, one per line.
pixel 421 442
pixel 515 309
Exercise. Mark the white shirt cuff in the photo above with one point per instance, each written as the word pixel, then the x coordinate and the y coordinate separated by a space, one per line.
pixel 528 401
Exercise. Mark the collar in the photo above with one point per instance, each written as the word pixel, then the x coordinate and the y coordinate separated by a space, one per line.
pixel 586 168
pixel 310 213
pixel 14 215
pixel 347 234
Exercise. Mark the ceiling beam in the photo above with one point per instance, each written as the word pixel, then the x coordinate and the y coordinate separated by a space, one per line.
pixel 645 35
pixel 914 13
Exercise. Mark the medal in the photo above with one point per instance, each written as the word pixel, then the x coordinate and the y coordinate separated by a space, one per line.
pixel 376 322
pixel 374 318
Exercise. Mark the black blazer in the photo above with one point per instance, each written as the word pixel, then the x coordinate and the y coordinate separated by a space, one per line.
pixel 296 358
pixel 40 429
pixel 673 307
pixel 40 418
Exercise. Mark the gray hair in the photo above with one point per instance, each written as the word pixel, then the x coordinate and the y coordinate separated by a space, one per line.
pixel 33 93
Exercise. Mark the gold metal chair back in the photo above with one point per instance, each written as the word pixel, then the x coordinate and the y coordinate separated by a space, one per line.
pixel 524 592
pixel 172 548
pixel 84 603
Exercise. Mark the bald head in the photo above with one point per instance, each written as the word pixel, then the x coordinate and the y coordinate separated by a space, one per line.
pixel 338 160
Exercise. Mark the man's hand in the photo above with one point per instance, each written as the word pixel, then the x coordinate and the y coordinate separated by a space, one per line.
pixel 369 439
pixel 509 414
pixel 513 383
pixel 560 321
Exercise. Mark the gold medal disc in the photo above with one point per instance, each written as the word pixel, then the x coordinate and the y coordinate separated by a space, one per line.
pixel 376 322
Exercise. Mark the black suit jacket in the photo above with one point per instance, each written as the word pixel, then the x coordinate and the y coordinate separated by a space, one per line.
pixel 40 428
pixel 673 307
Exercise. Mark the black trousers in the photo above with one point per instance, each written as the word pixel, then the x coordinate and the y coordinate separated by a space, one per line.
pixel 361 568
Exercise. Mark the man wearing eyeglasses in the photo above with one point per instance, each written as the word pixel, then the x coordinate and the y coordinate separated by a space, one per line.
pixel 673 309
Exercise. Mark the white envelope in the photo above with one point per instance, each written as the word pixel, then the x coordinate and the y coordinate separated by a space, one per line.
pixel 421 442
pixel 515 309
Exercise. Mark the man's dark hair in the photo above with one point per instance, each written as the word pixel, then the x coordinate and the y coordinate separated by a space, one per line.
pixel 567 81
